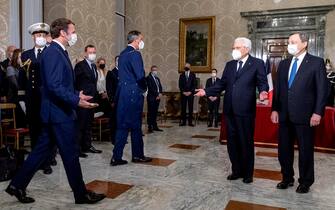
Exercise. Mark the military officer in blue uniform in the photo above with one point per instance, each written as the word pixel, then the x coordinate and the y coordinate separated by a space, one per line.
pixel 130 99
pixel 38 32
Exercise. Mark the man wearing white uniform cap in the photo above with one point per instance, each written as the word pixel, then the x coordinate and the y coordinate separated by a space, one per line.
pixel 39 31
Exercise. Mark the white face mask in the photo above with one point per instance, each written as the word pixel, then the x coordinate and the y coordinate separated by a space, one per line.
pixel 214 75
pixel 92 57
pixel 292 49
pixel 72 40
pixel 40 41
pixel 236 54
pixel 154 73
pixel 141 45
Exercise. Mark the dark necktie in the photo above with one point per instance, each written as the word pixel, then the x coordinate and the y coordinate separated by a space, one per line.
pixel 214 81
pixel 240 63
pixel 293 72
pixel 156 81
pixel 187 76
pixel 39 51
pixel 93 67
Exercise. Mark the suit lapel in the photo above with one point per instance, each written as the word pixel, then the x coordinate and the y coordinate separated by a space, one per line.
pixel 32 55
pixel 90 70
pixel 301 69
pixel 65 57
pixel 245 67
pixel 287 70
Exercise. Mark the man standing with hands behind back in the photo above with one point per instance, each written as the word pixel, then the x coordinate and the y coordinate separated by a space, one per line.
pixel 58 103
pixel 300 96
pixel 187 85
pixel 240 78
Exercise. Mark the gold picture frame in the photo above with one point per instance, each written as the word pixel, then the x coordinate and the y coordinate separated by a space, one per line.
pixel 196 43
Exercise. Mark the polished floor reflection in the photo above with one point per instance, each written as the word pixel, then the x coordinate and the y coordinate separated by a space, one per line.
pixel 110 189
pixel 180 179
pixel 185 146
pixel 204 136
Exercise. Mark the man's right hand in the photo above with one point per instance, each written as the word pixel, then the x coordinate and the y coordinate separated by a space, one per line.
pixel 274 117
pixel 84 97
pixel 200 92
pixel 87 105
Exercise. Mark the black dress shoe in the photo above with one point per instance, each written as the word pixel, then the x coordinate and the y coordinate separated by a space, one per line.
pixel 182 124
pixel 210 125
pixel 190 124
pixel 233 177
pixel 150 130
pixel 284 184
pixel 141 160
pixel 82 155
pixel 157 129
pixel 93 150
pixel 118 162
pixel 215 126
pixel 247 180
pixel 47 170
pixel 302 189
pixel 53 162
pixel 19 194
pixel 90 198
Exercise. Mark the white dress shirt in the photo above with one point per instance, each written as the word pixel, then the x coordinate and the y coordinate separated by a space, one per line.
pixel 300 59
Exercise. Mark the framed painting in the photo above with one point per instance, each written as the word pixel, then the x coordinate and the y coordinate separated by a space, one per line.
pixel 196 43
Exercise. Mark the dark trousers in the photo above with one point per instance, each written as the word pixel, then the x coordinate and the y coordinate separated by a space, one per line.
pixel 35 126
pixel 187 100
pixel 63 133
pixel 240 144
pixel 153 106
pixel 112 123
pixel 288 132
pixel 213 111
pixel 121 140
pixel 85 121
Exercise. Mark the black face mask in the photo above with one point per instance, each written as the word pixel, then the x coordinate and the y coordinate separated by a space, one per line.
pixel 186 69
pixel 102 66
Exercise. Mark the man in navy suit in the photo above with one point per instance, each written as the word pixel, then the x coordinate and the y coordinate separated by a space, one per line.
pixel 187 85
pixel 112 81
pixel 213 101
pixel 59 101
pixel 153 98
pixel 86 77
pixel 300 96
pixel 240 78
pixel 130 99
pixel 39 32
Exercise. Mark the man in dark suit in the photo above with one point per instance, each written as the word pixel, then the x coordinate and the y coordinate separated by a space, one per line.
pixel 153 98
pixel 240 78
pixel 112 81
pixel 130 99
pixel 33 89
pixel 59 101
pixel 299 101
pixel 187 85
pixel 213 101
pixel 86 80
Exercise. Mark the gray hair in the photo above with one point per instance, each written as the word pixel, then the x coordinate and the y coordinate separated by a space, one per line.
pixel 304 37
pixel 132 35
pixel 245 41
